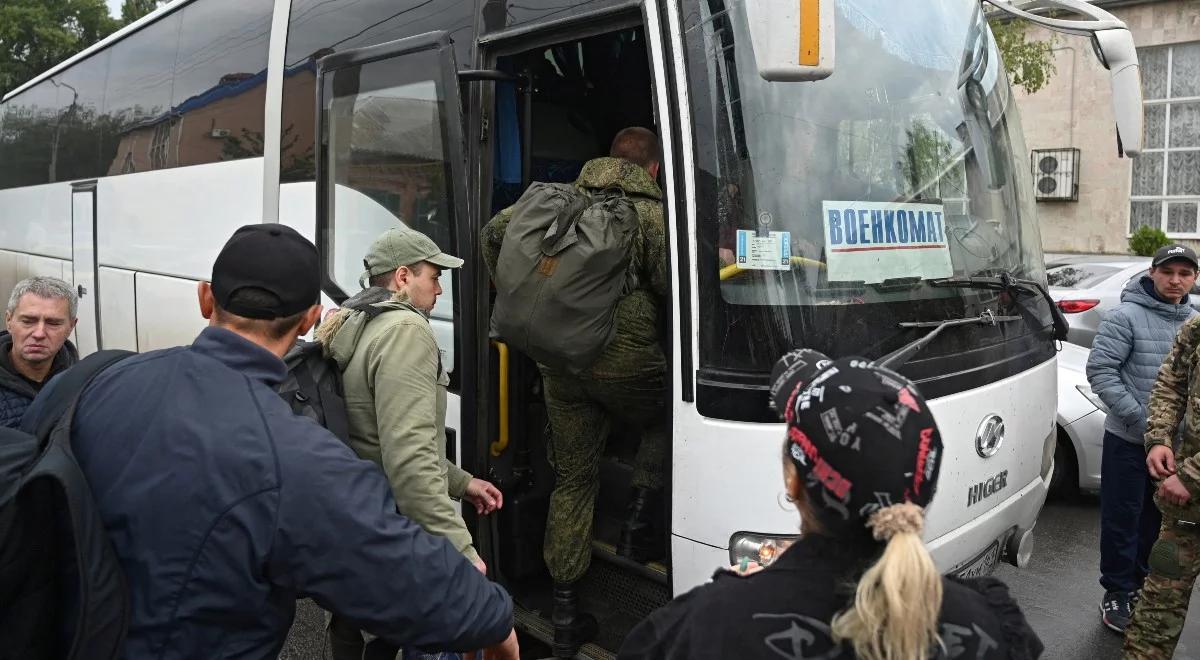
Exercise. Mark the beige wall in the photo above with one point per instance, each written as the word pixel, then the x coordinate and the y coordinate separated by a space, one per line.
pixel 1075 110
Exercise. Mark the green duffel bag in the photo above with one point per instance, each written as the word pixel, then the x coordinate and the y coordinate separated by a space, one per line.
pixel 562 268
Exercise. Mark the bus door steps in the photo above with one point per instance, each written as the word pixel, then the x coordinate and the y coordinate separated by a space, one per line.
pixel 655 571
pixel 534 625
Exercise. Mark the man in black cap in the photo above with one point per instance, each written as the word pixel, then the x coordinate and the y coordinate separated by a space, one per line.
pixel 224 507
pixel 1130 345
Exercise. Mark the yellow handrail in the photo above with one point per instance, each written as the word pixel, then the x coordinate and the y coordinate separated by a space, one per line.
pixel 733 270
pixel 501 444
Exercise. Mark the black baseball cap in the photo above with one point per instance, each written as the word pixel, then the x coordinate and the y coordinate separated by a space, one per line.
pixel 1174 251
pixel 274 258
pixel 862 436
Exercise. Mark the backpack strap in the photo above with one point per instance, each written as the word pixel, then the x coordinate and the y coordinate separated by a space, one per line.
pixel 70 385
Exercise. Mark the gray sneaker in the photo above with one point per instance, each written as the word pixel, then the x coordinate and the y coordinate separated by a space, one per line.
pixel 1116 611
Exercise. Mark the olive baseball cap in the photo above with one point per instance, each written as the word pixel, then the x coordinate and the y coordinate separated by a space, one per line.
pixel 401 246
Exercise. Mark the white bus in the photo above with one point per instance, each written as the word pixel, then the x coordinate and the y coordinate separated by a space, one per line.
pixel 846 175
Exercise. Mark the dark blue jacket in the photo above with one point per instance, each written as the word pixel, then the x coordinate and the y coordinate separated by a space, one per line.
pixel 224 508
pixel 16 393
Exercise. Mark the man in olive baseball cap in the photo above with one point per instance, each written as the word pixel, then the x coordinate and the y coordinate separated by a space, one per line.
pixel 394 382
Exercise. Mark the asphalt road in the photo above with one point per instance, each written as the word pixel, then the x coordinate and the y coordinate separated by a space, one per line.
pixel 1058 592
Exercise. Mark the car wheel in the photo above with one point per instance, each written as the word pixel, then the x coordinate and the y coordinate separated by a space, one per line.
pixel 1065 480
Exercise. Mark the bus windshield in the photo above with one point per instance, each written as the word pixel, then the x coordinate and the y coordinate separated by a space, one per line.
pixel 827 209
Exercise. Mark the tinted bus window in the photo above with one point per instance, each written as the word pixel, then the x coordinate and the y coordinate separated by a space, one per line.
pixel 502 14
pixel 137 98
pixel 28 137
pixel 219 84
pixel 320 27
pixel 81 95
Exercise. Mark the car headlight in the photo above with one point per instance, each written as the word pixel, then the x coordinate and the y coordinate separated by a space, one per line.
pixel 1092 397
pixel 762 548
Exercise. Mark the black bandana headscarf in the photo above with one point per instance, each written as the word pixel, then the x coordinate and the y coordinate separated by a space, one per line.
pixel 862 436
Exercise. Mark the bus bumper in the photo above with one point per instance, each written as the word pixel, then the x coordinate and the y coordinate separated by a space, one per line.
pixel 1009 525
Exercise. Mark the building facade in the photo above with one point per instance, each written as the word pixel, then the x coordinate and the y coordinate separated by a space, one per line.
pixel 1071 118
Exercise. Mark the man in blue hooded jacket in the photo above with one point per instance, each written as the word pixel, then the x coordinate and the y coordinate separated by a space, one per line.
pixel 1131 343
pixel 224 507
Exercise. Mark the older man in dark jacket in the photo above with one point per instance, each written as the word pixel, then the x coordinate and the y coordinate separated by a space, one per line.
pixel 34 347
pixel 224 507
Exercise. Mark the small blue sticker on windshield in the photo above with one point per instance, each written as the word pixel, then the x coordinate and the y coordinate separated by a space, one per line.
pixel 770 252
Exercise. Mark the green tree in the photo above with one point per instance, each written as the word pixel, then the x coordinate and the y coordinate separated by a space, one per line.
pixel 1146 240
pixel 131 10
pixel 37 34
pixel 1029 64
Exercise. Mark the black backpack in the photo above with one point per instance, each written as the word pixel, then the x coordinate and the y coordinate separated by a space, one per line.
pixel 313 388
pixel 62 592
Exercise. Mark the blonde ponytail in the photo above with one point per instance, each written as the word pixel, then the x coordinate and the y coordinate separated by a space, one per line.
pixel 897 602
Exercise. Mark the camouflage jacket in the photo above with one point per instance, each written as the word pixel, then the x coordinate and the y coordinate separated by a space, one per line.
pixel 1174 399
pixel 635 350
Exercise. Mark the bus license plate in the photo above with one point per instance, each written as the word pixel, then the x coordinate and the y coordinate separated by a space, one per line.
pixel 982 565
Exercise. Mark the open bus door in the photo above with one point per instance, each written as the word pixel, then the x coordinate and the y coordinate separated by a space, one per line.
pixel 390 154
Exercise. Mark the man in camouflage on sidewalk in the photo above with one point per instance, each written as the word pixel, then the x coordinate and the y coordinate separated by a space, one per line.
pixel 1175 558
pixel 626 383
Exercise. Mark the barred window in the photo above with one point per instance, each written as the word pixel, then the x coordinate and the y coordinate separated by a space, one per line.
pixel 158 147
pixel 1166 177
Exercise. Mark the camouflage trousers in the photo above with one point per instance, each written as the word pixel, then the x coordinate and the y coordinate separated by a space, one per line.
pixel 1162 607
pixel 581 411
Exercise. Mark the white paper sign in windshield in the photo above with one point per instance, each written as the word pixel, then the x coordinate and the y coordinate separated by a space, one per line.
pixel 876 241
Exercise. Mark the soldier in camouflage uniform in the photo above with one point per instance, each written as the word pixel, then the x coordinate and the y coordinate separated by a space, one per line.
pixel 1175 558
pixel 626 383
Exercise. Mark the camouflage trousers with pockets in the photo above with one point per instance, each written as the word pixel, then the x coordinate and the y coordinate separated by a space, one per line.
pixel 1162 606
pixel 581 411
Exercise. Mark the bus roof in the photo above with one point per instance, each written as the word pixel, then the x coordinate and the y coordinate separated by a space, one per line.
pixel 101 45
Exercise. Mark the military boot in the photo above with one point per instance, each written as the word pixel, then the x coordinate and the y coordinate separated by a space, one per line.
pixel 571 627
pixel 642 534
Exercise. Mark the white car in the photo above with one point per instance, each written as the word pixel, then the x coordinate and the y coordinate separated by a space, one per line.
pixel 1085 291
pixel 1080 423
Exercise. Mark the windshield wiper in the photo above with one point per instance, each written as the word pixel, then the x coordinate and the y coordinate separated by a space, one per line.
pixel 1004 282
pixel 1013 286
pixel 898 357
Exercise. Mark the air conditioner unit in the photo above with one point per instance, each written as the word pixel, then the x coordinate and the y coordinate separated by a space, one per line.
pixel 219 133
pixel 1056 174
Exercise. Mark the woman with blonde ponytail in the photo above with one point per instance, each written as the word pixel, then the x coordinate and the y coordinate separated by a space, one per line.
pixel 861 463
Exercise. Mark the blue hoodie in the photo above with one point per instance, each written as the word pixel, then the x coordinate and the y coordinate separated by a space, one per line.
pixel 1133 339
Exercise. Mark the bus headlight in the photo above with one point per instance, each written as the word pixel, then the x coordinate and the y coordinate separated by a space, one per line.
pixel 761 548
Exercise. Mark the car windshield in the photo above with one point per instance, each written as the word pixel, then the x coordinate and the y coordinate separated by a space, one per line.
pixel 1079 276
pixel 827 209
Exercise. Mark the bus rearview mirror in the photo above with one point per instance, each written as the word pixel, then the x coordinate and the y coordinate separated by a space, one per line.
pixel 1114 46
pixel 1119 55
pixel 793 40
